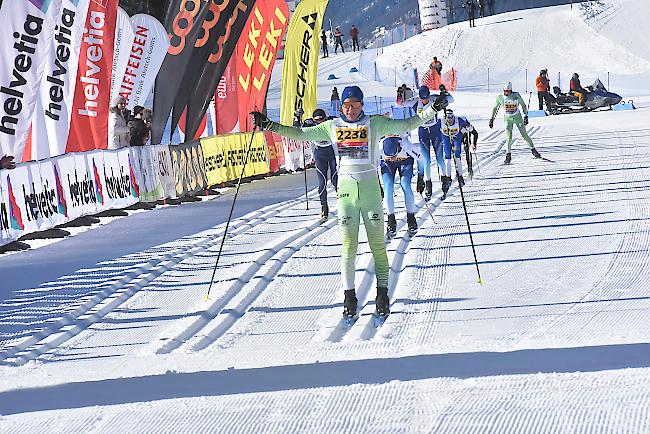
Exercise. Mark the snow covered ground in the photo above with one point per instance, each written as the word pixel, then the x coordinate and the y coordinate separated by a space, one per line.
pixel 557 339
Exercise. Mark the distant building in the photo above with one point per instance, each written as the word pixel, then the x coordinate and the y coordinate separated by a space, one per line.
pixel 433 14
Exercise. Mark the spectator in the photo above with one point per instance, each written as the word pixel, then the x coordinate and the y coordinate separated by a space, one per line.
pixel 118 130
pixel 436 65
pixel 7 162
pixel 323 40
pixel 408 92
pixel 338 40
pixel 140 126
pixel 491 6
pixel 469 5
pixel 354 34
pixel 576 88
pixel 481 8
pixel 335 103
pixel 543 89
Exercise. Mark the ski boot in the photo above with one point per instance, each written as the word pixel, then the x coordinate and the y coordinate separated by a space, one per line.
pixel 428 189
pixel 461 181
pixel 535 153
pixel 508 158
pixel 324 214
pixel 419 185
pixel 350 304
pixel 391 227
pixel 382 302
pixel 412 224
pixel 446 182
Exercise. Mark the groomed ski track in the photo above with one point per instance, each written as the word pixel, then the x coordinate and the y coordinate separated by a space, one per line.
pixel 555 340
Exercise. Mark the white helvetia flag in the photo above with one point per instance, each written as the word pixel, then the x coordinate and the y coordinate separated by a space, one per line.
pixel 124 35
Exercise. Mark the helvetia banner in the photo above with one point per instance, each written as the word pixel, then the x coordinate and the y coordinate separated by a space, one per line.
pixel 226 113
pixel 89 122
pixel 256 52
pixel 301 60
pixel 51 121
pixel 184 25
pixel 218 59
pixel 26 29
pixel 124 36
pixel 214 28
pixel 148 51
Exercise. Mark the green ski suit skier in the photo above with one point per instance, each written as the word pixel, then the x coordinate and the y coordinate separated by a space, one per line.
pixel 355 136
pixel 511 101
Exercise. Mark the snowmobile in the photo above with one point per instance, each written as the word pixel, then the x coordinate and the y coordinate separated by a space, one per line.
pixel 596 98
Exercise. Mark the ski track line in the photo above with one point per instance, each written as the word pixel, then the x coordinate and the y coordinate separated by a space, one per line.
pixel 224 313
pixel 117 291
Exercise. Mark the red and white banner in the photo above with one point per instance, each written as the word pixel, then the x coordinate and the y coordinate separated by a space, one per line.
pixel 225 100
pixel 51 120
pixel 148 51
pixel 26 29
pixel 89 123
pixel 124 35
pixel 256 52
pixel 296 153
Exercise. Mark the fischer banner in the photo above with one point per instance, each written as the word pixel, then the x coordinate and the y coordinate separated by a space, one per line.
pixel 26 29
pixel 89 123
pixel 148 52
pixel 51 121
pixel 224 157
pixel 256 52
pixel 124 38
pixel 219 56
pixel 226 113
pixel 301 60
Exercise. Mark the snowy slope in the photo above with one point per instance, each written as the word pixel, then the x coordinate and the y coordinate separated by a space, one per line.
pixel 555 340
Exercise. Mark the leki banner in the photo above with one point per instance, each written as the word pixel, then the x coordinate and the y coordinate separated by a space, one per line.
pixel 220 53
pixel 301 60
pixel 124 36
pixel 184 25
pixel 89 122
pixel 256 52
pixel 51 121
pixel 148 51
pixel 225 155
pixel 26 29
pixel 226 113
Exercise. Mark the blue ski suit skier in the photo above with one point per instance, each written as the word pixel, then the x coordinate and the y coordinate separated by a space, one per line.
pixel 325 159
pixel 451 129
pixel 429 137
pixel 398 156
pixel 356 137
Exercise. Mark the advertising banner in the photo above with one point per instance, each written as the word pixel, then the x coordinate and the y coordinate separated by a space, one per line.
pixel 225 101
pixel 301 60
pixel 165 171
pixel 124 38
pixel 145 172
pixel 296 153
pixel 189 168
pixel 26 29
pixel 224 157
pixel 51 121
pixel 148 51
pixel 53 198
pixel 89 122
pixel 256 52
pixel 218 58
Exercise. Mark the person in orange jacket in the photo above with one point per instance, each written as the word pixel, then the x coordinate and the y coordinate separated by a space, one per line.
pixel 576 88
pixel 543 89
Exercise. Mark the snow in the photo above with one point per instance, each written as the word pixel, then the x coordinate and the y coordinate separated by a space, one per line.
pixel 120 337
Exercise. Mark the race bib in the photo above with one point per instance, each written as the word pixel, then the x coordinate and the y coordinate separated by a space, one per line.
pixel 450 131
pixel 352 142
pixel 511 107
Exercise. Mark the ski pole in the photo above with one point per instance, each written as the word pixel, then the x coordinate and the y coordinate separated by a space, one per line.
pixel 462 196
pixel 304 164
pixel 232 207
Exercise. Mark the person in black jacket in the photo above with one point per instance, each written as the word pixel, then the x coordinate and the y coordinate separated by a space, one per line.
pixel 469 5
pixel 323 40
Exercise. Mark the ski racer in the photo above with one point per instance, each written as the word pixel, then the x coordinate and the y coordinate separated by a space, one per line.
pixel 470 138
pixel 429 137
pixel 356 137
pixel 511 101
pixel 451 130
pixel 398 155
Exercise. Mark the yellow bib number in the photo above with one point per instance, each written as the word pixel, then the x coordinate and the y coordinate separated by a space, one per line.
pixel 511 107
pixel 352 142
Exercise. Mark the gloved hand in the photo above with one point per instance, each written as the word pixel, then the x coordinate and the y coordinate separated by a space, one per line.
pixel 260 120
pixel 491 123
pixel 441 101
pixel 526 120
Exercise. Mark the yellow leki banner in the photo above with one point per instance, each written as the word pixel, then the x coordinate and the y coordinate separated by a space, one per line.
pixel 224 156
pixel 301 60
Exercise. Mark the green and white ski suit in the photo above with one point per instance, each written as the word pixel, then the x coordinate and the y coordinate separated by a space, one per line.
pixel 358 147
pixel 512 116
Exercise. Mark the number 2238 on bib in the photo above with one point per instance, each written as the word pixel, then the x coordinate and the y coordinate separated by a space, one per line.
pixel 352 142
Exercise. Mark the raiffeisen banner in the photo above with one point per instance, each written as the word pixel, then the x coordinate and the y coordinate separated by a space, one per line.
pixel 147 54
pixel 26 29
pixel 89 123
pixel 51 121
pixel 124 35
